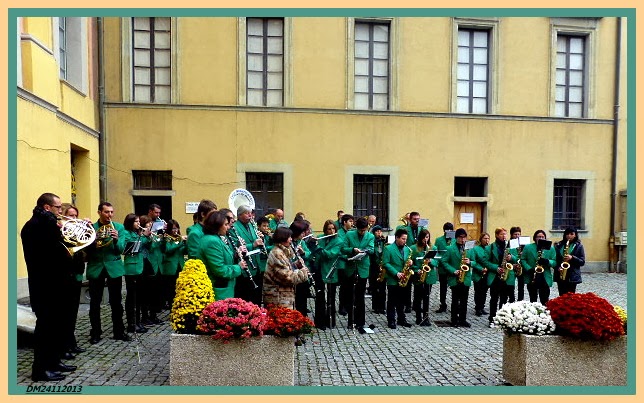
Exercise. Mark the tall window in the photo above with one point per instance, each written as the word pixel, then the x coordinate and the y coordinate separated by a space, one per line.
pixel 568 202
pixel 265 61
pixel 570 76
pixel 372 65
pixel 151 67
pixel 267 189
pixel 62 46
pixel 371 196
pixel 473 71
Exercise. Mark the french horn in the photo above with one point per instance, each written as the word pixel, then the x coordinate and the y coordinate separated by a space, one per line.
pixel 77 233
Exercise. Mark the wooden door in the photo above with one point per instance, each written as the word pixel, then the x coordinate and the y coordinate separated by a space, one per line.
pixel 469 216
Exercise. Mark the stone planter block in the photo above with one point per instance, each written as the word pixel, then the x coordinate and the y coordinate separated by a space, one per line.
pixel 561 361
pixel 198 360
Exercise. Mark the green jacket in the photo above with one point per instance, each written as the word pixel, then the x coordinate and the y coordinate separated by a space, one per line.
pixel 219 260
pixel 411 240
pixel 394 262
pixel 263 259
pixel 107 257
pixel 351 241
pixel 441 244
pixel 195 234
pixel 134 263
pixel 529 261
pixel 479 261
pixel 452 262
pixel 342 261
pixel 153 252
pixel 417 256
pixel 327 252
pixel 495 259
pixel 173 258
pixel 249 236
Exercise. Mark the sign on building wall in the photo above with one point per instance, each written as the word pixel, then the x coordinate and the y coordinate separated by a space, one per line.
pixel 191 207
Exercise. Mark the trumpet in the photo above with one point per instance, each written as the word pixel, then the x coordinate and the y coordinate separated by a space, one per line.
pixel 563 270
pixel 463 268
pixel 76 232
pixel 406 271
pixel 173 238
pixel 104 235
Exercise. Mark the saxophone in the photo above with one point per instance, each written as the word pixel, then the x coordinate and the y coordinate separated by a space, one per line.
pixel 382 273
pixel 505 265
pixel 519 269
pixel 463 268
pixel 538 269
pixel 424 270
pixel 564 265
pixel 407 271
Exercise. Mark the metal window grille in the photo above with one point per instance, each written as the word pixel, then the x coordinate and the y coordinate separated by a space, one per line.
pixel 371 196
pixel 151 61
pixel 371 69
pixel 568 200
pixel 62 46
pixel 473 71
pixel 267 190
pixel 265 61
pixel 570 76
pixel 152 180
pixel 470 187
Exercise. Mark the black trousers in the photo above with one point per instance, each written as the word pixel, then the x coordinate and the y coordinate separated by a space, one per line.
pixel 520 288
pixel 566 286
pixel 168 286
pixel 540 289
pixel 354 303
pixel 460 293
pixel 150 294
pixel 245 289
pixel 407 300
pixel 498 296
pixel 48 338
pixel 71 299
pixel 442 280
pixel 379 296
pixel 342 280
pixel 325 305
pixel 421 297
pixel 480 294
pixel 133 303
pixel 395 305
pixel 302 294
pixel 96 287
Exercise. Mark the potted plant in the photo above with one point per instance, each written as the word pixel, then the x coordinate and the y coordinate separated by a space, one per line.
pixel 285 322
pixel 576 339
pixel 193 293
pixel 225 344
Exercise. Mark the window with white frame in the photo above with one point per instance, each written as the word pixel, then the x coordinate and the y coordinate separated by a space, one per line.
pixel 473 70
pixel 570 76
pixel 265 61
pixel 62 47
pixel 151 59
pixel 371 65
pixel 568 204
pixel 70 42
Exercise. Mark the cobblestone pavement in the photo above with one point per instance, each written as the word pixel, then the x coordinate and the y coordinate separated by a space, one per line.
pixel 427 356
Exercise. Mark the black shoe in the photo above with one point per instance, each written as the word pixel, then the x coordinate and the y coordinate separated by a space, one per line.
pixel 155 320
pixel 76 350
pixel 123 337
pixel 453 324
pixel 321 327
pixel 442 309
pixel 140 329
pixel 418 319
pixel 147 322
pixel 479 313
pixel 60 367
pixel 343 312
pixel 405 324
pixel 392 326
pixel 130 328
pixel 68 356
pixel 425 323
pixel 47 376
pixel 484 312
pixel 361 330
pixel 464 323
pixel 407 309
pixel 94 339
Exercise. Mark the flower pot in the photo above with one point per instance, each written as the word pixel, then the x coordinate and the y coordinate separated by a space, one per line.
pixel 562 361
pixel 198 360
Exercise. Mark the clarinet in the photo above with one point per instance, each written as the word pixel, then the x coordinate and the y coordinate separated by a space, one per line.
pixel 243 256
pixel 312 289
pixel 262 247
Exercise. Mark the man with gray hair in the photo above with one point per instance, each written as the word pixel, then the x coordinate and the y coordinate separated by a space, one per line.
pixel 244 229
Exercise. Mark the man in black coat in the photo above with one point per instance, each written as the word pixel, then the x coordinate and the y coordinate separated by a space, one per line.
pixel 48 262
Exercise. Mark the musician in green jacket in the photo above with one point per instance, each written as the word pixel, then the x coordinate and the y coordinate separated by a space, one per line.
pixel 346 226
pixel 195 232
pixel 378 288
pixel 135 239
pixel 500 255
pixel 479 263
pixel 394 260
pixel 426 267
pixel 244 229
pixel 218 255
pixel 175 249
pixel 454 257
pixel 538 283
pixel 104 264
pixel 327 255
pixel 441 244
pixel 357 243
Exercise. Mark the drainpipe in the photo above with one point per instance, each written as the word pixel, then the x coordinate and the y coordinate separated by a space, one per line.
pixel 613 201
pixel 102 153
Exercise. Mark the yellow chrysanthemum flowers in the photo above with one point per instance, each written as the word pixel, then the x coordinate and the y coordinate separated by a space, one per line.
pixel 193 292
pixel 622 314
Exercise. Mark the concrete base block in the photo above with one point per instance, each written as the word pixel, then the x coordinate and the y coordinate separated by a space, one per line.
pixel 198 360
pixel 562 361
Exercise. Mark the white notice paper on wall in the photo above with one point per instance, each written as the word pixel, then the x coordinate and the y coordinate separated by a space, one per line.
pixel 191 207
pixel 467 218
